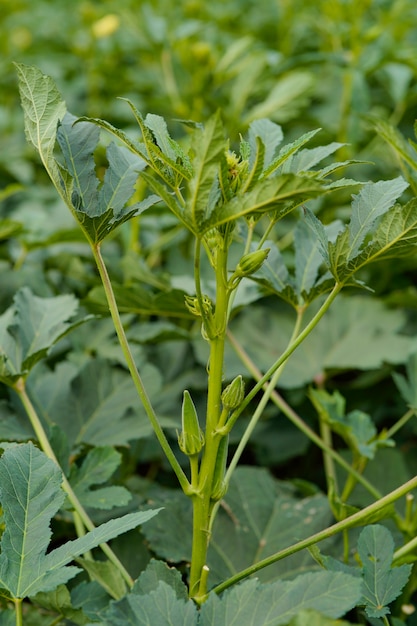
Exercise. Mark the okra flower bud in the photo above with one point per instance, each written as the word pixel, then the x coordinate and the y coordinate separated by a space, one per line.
pixel 233 394
pixel 191 438
pixel 251 262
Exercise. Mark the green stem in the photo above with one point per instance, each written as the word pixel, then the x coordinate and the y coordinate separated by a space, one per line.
pixel 43 440
pixel 202 504
pixel 137 380
pixel 18 611
pixel 329 468
pixel 287 353
pixel 353 520
pixel 298 422
pixel 400 423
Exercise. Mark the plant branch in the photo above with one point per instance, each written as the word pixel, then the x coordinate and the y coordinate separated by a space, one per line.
pixel 356 519
pixel 137 380
pixel 287 353
pixel 279 401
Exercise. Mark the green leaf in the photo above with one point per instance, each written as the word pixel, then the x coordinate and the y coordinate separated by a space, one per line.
pixel 271 136
pixel 407 386
pixel 107 575
pixel 160 606
pixel 289 94
pixel 305 160
pixel 78 143
pixel 356 427
pixel 207 146
pixel 382 582
pixel 281 194
pixel 157 571
pixel 43 108
pixel 372 201
pixel 313 618
pixel 288 150
pixel 30 495
pixel 259 517
pixel 254 604
pixel 29 328
pixel 59 600
pixel 97 468
pixel 99 210
pixel 96 404
pixel 357 333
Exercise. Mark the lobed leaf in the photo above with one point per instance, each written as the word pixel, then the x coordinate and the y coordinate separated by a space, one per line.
pixel 273 604
pixel 96 469
pixel 382 582
pixel 30 495
pixel 29 328
pixel 43 108
pixel 270 136
pixel 372 201
pixel 207 146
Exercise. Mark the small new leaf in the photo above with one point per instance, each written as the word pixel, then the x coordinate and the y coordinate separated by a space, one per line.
pixel 382 582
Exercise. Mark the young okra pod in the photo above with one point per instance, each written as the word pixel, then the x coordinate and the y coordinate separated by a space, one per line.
pixel 191 438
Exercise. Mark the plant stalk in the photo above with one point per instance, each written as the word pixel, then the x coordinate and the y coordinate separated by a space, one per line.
pixel 202 502
pixel 137 380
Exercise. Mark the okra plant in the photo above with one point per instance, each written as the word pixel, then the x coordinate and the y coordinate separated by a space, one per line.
pixel 238 205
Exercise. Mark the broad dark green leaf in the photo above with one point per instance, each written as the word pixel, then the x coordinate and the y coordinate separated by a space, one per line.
pixel 96 469
pixel 160 606
pixel 29 328
pixel 59 601
pixel 259 517
pixel 254 604
pixel 382 582
pixel 30 495
pixel 96 404
pixel 43 108
pixel 314 618
pixel 357 333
